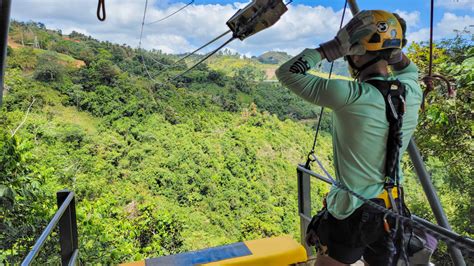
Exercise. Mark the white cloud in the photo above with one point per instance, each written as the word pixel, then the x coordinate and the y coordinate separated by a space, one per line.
pixel 443 29
pixel 456 4
pixel 302 26
pixel 412 18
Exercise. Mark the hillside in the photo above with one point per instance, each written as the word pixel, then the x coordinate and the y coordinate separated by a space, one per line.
pixel 165 167
pixel 273 57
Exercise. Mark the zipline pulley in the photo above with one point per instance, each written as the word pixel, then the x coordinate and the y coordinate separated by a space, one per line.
pixel 255 17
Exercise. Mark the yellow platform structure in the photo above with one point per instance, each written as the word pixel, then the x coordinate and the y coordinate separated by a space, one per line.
pixel 273 251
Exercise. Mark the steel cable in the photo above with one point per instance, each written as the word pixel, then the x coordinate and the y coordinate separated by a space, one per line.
pixel 308 161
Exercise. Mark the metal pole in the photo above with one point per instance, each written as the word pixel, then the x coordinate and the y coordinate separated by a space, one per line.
pixel 47 231
pixel 304 206
pixel 67 228
pixel 441 230
pixel 353 6
pixel 433 199
pixel 5 6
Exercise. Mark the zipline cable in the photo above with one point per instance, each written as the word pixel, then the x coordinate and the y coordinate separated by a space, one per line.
pixel 308 161
pixel 205 57
pixel 140 41
pixel 141 51
pixel 202 47
pixel 175 64
pixel 177 11
pixel 430 67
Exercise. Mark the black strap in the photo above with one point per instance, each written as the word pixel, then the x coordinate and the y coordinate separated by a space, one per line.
pixel 393 92
pixel 359 69
pixel 101 10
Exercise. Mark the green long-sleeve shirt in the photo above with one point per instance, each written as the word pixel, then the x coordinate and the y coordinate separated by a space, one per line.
pixel 360 127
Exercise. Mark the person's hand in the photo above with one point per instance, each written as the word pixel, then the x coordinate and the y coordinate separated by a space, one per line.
pixel 347 40
pixel 395 57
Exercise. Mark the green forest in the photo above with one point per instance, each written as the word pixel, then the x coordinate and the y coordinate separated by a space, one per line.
pixel 161 167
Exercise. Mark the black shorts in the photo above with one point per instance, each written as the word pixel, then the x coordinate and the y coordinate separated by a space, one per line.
pixel 362 234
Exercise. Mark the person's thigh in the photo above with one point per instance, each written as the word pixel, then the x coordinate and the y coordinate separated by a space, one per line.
pixel 324 260
pixel 380 252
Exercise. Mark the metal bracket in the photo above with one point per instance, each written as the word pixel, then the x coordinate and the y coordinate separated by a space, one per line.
pixel 255 17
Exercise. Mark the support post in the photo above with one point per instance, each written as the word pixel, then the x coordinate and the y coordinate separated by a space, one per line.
pixel 5 7
pixel 433 199
pixel 353 6
pixel 67 229
pixel 304 206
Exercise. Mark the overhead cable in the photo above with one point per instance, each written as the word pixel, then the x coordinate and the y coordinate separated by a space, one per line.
pixel 202 47
pixel 140 41
pixel 205 57
pixel 321 113
pixel 170 15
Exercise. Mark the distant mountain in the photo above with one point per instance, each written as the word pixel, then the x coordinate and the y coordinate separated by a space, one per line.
pixel 339 68
pixel 274 57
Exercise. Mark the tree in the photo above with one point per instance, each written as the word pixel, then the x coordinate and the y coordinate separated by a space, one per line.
pixel 49 68
pixel 21 214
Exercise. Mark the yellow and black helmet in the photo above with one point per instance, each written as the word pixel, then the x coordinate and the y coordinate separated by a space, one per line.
pixel 390 32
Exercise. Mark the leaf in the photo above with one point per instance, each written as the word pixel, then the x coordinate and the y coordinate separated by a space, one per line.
pixel 8 193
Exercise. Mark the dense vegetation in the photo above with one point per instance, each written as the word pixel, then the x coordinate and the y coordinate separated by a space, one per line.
pixel 164 167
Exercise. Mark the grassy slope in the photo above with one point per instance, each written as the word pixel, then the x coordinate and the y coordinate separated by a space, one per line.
pixel 228 64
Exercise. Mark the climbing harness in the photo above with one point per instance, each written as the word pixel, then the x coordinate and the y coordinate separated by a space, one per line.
pixel 393 93
pixel 462 242
pixel 101 10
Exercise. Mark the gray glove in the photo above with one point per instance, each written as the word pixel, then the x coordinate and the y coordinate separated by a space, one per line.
pixel 395 57
pixel 346 41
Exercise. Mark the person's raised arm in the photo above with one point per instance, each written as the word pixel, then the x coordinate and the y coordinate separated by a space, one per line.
pixel 328 93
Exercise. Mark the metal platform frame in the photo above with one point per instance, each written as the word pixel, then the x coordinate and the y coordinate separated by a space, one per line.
pixel 305 213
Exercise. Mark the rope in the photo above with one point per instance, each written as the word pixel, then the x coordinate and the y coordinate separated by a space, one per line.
pixel 428 79
pixel 308 161
pixel 430 67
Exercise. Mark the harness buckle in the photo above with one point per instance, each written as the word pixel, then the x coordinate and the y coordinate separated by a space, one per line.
pixel 392 108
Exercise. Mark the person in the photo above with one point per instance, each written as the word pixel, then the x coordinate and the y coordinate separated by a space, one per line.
pixel 366 143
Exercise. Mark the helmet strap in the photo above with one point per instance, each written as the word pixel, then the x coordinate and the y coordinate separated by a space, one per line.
pixel 358 69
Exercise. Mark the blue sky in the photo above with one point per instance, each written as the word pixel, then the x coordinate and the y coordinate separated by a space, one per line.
pixel 423 6
pixel 306 24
